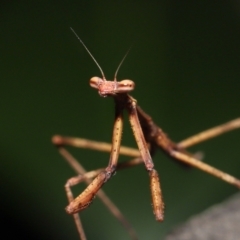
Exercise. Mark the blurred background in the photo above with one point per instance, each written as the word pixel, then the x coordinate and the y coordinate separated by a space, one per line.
pixel 185 63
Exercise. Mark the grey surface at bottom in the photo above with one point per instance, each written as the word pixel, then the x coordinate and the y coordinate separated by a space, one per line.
pixel 219 222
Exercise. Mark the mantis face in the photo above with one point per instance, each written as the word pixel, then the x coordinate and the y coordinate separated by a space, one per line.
pixel 111 88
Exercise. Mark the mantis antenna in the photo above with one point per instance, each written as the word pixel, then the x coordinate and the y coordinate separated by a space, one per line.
pixel 89 53
pixel 120 64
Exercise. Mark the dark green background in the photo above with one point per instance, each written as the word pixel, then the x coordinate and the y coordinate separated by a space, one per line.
pixel 185 62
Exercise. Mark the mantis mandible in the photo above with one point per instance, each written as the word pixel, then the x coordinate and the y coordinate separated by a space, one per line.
pixel 148 137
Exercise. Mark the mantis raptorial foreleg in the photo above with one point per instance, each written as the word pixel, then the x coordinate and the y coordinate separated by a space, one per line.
pixel 157 201
pixel 86 197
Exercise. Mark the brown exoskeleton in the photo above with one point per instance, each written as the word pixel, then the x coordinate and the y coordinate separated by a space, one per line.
pixel 148 137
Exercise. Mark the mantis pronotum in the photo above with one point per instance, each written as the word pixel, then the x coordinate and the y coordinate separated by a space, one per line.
pixel 148 137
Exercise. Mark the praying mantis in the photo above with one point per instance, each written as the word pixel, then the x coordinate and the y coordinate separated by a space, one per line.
pixel 148 137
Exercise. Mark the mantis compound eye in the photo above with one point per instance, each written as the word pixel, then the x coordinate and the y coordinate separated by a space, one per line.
pixel 95 82
pixel 125 86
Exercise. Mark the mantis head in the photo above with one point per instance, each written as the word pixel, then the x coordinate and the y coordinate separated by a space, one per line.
pixel 111 88
pixel 108 88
